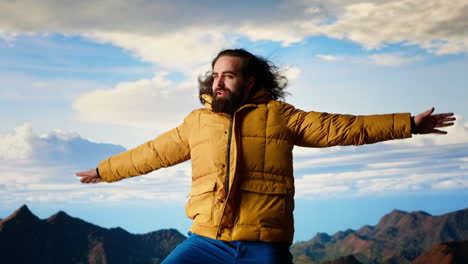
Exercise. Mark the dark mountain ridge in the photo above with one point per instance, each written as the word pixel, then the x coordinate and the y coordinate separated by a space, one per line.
pixel 399 237
pixel 24 238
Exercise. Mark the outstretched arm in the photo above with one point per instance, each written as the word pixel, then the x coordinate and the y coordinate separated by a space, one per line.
pixel 169 148
pixel 428 122
pixel 315 129
pixel 90 176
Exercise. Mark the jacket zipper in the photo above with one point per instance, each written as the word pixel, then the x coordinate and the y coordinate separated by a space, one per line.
pixel 228 156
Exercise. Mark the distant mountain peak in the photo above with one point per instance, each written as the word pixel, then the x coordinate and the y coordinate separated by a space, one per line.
pixel 23 210
pixel 397 212
pixel 63 219
pixel 321 238
pixel 422 213
pixel 21 217
pixel 22 213
pixel 60 216
pixel 391 218
pixel 398 217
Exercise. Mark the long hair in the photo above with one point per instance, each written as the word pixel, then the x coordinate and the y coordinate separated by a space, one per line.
pixel 266 74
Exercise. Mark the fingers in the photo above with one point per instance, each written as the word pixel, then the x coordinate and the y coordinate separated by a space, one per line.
pixel 437 131
pixel 94 180
pixel 90 180
pixel 444 124
pixel 85 179
pixel 443 115
pixel 447 119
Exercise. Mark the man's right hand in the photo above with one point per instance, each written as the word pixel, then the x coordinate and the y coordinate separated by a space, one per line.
pixel 90 176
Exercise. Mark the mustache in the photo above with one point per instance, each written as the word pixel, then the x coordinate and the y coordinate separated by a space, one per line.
pixel 215 91
pixel 220 89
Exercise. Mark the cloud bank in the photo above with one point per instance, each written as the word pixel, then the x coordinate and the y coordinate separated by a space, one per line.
pixel 151 31
pixel 41 168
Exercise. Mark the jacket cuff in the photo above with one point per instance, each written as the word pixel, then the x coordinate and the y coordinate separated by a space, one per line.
pixel 414 128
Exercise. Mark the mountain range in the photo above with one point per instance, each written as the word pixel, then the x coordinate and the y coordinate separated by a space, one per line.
pixel 398 238
pixel 24 238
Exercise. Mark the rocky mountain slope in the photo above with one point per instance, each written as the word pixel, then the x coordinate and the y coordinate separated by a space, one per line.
pixel 399 237
pixel 445 253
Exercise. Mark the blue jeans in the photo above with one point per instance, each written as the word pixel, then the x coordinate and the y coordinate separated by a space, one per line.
pixel 202 250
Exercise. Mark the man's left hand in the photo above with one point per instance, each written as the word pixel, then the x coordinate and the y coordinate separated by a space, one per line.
pixel 427 122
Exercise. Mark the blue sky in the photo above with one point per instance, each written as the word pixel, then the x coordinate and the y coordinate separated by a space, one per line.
pixel 85 80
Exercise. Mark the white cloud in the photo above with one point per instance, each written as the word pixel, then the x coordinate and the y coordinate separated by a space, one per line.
pixel 329 160
pixel 287 32
pixel 391 164
pixel 18 146
pixel 391 59
pixel 451 184
pixel 57 148
pixel 156 103
pixel 7 36
pixel 291 72
pixel 438 26
pixel 379 59
pixel 386 181
pixel 308 152
pixel 182 50
pixel 329 57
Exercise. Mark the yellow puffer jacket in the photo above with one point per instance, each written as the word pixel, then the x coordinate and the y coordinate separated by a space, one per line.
pixel 242 167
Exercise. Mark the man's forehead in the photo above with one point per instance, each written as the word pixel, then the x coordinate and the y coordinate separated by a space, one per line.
pixel 228 63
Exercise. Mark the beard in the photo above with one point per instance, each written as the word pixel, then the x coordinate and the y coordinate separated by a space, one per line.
pixel 227 104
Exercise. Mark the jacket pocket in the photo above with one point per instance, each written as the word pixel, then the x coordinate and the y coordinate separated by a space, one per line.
pixel 263 203
pixel 200 205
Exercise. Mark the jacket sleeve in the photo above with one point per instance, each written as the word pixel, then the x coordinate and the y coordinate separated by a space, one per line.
pixel 315 129
pixel 168 149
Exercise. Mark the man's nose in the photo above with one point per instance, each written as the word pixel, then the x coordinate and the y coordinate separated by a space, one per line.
pixel 219 82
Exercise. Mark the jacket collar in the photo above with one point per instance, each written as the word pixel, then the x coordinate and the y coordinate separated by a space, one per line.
pixel 260 97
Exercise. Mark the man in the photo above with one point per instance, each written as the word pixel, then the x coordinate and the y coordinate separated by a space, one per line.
pixel 240 144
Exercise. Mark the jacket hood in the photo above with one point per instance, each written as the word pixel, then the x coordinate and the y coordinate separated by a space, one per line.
pixel 261 96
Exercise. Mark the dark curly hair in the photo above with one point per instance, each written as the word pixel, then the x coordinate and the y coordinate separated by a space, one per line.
pixel 266 74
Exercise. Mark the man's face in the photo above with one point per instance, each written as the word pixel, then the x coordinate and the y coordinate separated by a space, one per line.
pixel 230 88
